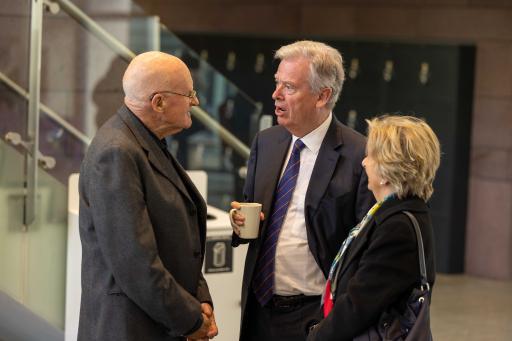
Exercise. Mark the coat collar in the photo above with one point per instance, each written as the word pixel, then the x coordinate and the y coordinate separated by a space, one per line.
pixel 388 208
pixel 394 205
pixel 155 155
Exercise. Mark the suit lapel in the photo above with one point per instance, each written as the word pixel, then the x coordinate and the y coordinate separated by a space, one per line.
pixel 272 164
pixel 325 165
pixel 155 155
pixel 356 247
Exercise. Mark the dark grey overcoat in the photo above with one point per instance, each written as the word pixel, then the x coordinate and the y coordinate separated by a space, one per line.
pixel 142 227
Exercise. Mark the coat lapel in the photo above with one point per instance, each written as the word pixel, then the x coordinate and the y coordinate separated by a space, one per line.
pixel 155 155
pixel 272 164
pixel 192 190
pixel 325 165
pixel 356 247
pixel 390 207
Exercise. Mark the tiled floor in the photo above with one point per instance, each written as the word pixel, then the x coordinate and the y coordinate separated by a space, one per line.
pixel 468 308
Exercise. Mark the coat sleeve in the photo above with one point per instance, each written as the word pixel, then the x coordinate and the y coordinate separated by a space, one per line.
pixel 387 271
pixel 127 242
pixel 203 293
pixel 249 185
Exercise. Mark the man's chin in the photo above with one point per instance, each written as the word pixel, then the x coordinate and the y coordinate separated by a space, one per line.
pixel 282 121
pixel 189 124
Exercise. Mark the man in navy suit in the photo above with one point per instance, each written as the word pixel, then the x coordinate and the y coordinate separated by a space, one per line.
pixel 329 198
pixel 142 221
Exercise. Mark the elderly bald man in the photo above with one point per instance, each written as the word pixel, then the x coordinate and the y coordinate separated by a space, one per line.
pixel 142 221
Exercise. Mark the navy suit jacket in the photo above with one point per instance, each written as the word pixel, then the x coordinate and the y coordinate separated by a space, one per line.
pixel 336 199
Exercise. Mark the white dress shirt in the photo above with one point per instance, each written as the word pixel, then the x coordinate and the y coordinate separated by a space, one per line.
pixel 296 271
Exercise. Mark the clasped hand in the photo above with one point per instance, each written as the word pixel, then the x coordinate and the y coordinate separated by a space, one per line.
pixel 208 329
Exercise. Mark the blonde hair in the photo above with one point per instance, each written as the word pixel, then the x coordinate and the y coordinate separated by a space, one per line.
pixel 325 66
pixel 407 153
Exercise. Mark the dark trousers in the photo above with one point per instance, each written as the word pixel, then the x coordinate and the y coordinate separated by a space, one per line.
pixel 284 318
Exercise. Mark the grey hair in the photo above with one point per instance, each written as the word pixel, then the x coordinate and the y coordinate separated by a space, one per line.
pixel 326 65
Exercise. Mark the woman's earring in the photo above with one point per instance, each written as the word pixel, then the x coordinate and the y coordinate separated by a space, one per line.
pixel 382 182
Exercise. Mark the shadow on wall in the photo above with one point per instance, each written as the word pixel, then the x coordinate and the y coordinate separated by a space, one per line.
pixel 108 93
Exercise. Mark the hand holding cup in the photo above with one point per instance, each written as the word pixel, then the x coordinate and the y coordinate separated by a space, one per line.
pixel 245 219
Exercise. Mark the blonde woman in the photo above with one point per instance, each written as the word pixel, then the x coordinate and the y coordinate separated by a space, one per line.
pixel 377 265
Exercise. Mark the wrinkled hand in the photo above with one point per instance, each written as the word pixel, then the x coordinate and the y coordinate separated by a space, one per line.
pixel 211 331
pixel 202 332
pixel 208 311
pixel 238 219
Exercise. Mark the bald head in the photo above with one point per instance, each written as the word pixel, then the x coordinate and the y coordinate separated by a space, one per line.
pixel 149 72
pixel 157 87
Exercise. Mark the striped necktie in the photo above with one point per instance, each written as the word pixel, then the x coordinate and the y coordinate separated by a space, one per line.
pixel 263 281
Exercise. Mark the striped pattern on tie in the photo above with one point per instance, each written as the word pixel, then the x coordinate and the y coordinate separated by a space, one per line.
pixel 263 281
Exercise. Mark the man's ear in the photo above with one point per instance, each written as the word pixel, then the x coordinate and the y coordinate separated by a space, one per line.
pixel 157 103
pixel 323 97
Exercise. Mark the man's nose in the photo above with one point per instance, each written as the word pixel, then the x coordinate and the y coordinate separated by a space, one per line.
pixel 278 93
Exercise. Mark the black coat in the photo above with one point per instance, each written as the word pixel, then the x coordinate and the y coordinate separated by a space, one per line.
pixel 142 227
pixel 379 270
pixel 337 196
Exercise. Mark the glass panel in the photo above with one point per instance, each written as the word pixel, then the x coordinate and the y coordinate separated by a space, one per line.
pixel 14 38
pixel 199 147
pixel 32 262
pixel 46 251
pixel 14 44
pixel 31 258
pixel 13 260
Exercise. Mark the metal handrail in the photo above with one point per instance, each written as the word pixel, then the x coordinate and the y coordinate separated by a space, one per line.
pixel 99 32
pixel 216 127
pixel 124 52
pixel 51 113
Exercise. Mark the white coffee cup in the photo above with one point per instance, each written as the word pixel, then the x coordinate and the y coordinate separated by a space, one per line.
pixel 251 211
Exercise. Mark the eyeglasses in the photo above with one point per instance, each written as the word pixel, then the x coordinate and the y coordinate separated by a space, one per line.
pixel 191 94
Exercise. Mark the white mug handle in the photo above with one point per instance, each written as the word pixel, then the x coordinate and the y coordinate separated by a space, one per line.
pixel 233 210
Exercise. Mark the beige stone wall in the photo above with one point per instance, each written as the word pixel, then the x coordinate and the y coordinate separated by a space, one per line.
pixel 485 23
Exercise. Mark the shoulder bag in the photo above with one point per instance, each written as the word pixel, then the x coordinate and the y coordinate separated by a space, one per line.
pixel 414 323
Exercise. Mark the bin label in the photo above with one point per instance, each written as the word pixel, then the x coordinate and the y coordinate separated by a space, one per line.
pixel 219 255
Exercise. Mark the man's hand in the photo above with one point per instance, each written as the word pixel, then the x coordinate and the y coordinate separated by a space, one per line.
pixel 212 330
pixel 237 219
pixel 202 332
pixel 208 311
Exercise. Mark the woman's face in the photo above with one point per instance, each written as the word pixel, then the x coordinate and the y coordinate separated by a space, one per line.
pixel 374 179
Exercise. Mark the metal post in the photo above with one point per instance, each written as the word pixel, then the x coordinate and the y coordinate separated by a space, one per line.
pixel 36 28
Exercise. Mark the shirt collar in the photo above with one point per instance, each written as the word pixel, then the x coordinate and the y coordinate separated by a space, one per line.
pixel 314 139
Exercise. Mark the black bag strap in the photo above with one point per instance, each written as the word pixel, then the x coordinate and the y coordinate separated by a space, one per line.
pixel 421 251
